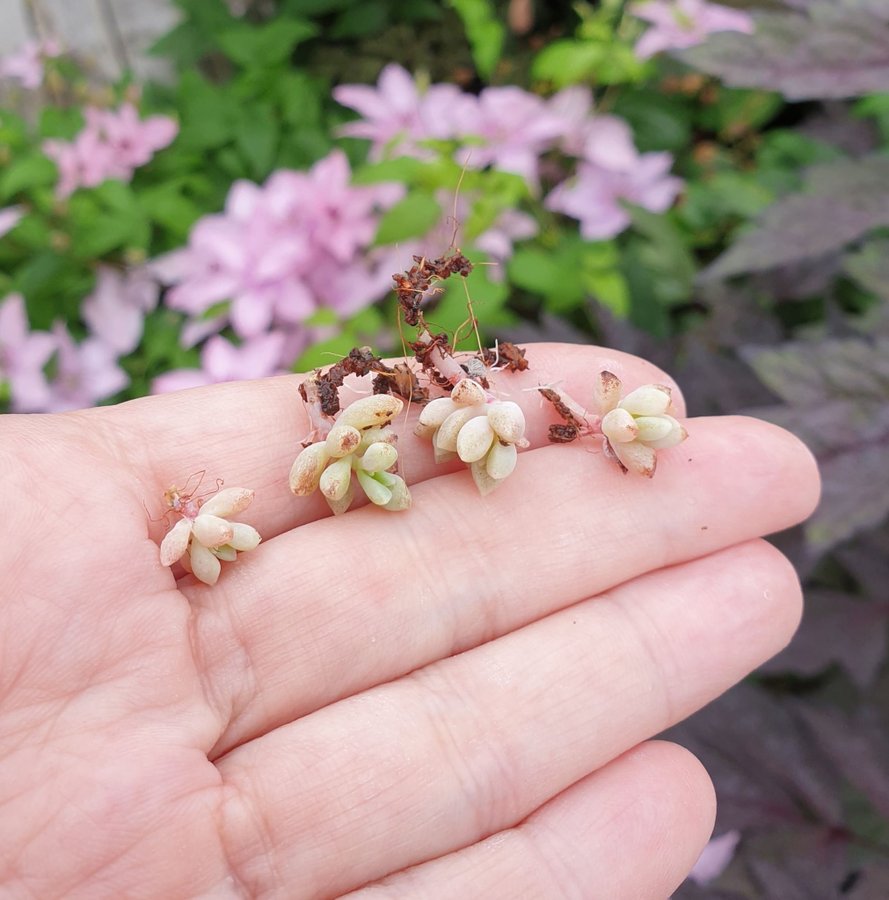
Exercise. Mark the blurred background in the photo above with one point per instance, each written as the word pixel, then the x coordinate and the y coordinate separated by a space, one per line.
pixel 193 191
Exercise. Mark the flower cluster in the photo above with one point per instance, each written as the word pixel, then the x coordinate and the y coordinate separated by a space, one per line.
pixel 638 425
pixel 85 372
pixel 280 251
pixel 26 65
pixel 482 432
pixel 204 538
pixel 510 129
pixel 362 442
pixel 678 24
pixel 112 145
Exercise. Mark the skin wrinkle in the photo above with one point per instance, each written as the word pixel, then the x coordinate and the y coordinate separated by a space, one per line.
pixel 548 847
pixel 475 782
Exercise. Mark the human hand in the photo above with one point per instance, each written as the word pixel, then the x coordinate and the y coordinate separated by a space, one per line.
pixel 448 702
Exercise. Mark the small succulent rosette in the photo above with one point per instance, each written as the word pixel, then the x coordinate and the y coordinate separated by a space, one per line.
pixel 204 537
pixel 360 443
pixel 485 434
pixel 638 425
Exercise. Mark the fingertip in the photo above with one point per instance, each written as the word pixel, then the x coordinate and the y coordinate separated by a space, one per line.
pixel 775 451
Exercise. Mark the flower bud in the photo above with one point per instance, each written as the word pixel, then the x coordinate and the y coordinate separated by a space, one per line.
pixel 378 457
pixel 378 434
pixel 175 542
pixel 636 457
pixel 619 426
pixel 648 400
pixel 307 468
pixel 507 420
pixel 606 392
pixel 225 553
pixel 335 479
pixel 342 440
pixel 244 537
pixel 211 531
pixel 378 409
pixel 228 502
pixel 483 481
pixel 474 439
pixel 204 565
pixel 433 414
pixel 468 393
pixel 653 428
pixel 446 436
pixel 401 496
pixel 501 460
pixel 377 493
pixel 676 435
pixel 338 507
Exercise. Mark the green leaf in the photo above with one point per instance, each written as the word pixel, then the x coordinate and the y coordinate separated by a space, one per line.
pixel 168 206
pixel 660 121
pixel 603 60
pixel 256 136
pixel 405 169
pixel 665 253
pixel 300 98
pixel 726 194
pixel 485 32
pixel 105 219
pixel 358 331
pixel 314 7
pixel 186 45
pixel 207 113
pixel 567 62
pixel 411 217
pixel 265 45
pixel 26 173
pixel 59 122
pixel 359 21
pixel 555 274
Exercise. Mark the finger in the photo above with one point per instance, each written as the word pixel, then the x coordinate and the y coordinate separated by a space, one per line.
pixel 440 759
pixel 337 606
pixel 631 831
pixel 248 433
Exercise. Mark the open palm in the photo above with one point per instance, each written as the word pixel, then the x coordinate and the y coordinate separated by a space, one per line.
pixel 449 702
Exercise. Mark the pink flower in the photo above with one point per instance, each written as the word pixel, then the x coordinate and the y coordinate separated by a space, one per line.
pixel 23 354
pixel 678 24
pixel 87 372
pixel 573 108
pixel 115 310
pixel 221 360
pixel 9 218
pixel 611 171
pixel 515 127
pixel 280 251
pixel 26 65
pixel 112 145
pixel 132 141
pixel 398 117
